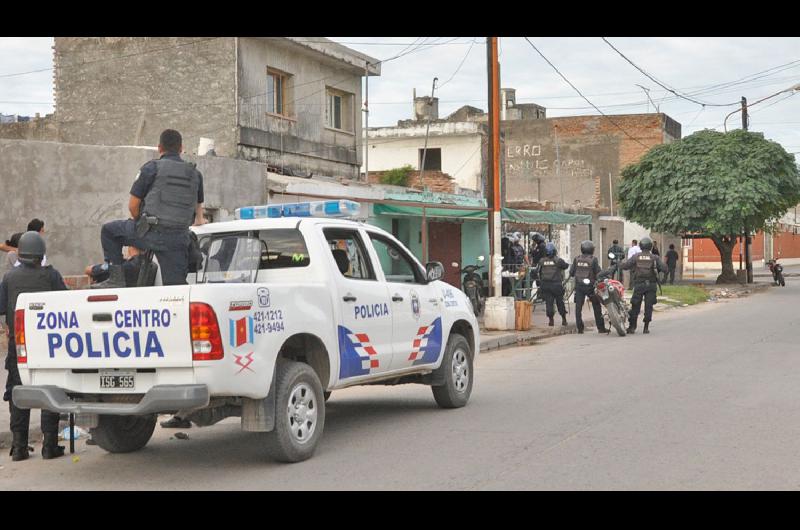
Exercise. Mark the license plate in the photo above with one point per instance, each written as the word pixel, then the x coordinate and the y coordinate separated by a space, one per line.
pixel 122 380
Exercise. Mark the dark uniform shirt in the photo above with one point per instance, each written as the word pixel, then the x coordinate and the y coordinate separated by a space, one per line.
pixel 672 258
pixel 537 253
pixel 617 251
pixel 630 264
pixel 56 284
pixel 147 176
pixel 595 266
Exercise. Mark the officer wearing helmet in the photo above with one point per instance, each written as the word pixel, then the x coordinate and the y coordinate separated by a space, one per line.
pixel 517 250
pixel 551 269
pixel 586 267
pixel 536 252
pixel 29 277
pixel 644 268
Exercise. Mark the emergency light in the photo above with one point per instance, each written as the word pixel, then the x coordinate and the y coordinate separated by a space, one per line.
pixel 336 208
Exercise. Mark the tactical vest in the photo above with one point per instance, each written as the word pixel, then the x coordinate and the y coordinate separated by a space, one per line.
pixel 645 266
pixel 583 268
pixel 25 279
pixel 550 270
pixel 173 197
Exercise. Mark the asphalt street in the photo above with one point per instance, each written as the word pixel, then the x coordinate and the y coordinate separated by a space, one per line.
pixel 708 400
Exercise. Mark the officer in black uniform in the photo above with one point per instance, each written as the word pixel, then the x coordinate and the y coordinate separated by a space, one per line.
pixel 550 268
pixel 29 277
pixel 586 267
pixel 619 254
pixel 644 267
pixel 166 199
pixel 536 251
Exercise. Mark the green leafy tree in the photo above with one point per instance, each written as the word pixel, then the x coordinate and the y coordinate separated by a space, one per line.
pixel 711 183
pixel 398 176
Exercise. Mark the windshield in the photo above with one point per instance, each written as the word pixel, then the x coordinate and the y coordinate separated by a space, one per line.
pixel 231 259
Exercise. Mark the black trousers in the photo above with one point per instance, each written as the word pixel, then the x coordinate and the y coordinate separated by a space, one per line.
pixel 581 294
pixel 671 275
pixel 553 292
pixel 646 291
pixel 21 418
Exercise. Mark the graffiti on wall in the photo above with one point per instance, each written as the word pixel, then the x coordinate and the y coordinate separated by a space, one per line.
pixel 527 160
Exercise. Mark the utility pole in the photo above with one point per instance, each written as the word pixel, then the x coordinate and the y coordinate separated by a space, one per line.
pixel 366 122
pixel 747 239
pixel 558 167
pixel 427 129
pixel 493 75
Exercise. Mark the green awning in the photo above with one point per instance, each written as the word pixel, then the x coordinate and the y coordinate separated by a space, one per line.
pixel 508 214
pixel 544 217
pixel 416 211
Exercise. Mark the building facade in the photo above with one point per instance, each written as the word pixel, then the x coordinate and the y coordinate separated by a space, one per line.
pixel 293 103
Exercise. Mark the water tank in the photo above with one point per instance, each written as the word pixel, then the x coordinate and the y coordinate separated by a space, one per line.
pixel 426 108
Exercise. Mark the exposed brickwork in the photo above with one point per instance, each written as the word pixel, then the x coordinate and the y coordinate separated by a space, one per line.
pixel 435 181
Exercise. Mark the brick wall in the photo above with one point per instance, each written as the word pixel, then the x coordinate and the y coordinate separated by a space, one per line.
pixel 435 181
pixel 43 129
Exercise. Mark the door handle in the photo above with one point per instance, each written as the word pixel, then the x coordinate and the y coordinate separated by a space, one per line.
pixel 349 298
pixel 433 300
pixel 397 298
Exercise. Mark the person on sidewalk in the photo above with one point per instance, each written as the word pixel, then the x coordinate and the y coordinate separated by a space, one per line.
pixel 672 262
pixel 551 274
pixel 586 267
pixel 644 268
pixel 619 255
pixel 29 277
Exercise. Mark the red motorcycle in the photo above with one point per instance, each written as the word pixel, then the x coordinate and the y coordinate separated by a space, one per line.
pixel 777 272
pixel 612 295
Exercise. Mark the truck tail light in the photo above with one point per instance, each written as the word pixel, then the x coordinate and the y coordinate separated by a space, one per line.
pixel 206 337
pixel 19 336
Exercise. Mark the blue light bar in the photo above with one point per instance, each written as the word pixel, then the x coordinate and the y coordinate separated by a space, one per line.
pixel 334 208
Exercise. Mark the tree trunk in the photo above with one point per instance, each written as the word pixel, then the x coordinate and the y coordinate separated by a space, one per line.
pixel 725 246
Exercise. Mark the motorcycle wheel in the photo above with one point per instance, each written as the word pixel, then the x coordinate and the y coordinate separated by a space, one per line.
pixel 783 282
pixel 616 318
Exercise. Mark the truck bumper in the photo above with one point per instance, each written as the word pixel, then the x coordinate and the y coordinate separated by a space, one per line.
pixel 160 398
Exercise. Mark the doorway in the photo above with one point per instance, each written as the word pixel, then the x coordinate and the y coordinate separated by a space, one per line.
pixel 444 245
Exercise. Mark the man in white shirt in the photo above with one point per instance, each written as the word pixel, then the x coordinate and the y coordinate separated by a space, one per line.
pixel 634 249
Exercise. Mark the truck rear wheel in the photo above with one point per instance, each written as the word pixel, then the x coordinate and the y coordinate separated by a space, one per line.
pixel 457 368
pixel 123 434
pixel 299 413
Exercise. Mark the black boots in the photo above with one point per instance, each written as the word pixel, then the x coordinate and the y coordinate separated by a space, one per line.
pixel 19 446
pixel 563 320
pixel 50 447
pixel 631 329
pixel 602 330
pixel 580 328
pixel 116 279
pixel 645 330
pixel 551 321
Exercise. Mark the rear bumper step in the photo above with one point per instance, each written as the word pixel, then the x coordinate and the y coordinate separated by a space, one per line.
pixel 159 398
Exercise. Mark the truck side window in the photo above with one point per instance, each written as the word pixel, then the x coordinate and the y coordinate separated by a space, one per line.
pixel 396 265
pixel 286 248
pixel 348 253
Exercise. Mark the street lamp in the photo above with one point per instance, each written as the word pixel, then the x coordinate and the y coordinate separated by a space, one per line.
pixel 790 89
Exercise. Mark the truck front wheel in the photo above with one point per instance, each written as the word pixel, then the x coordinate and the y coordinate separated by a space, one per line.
pixel 457 368
pixel 299 413
pixel 123 434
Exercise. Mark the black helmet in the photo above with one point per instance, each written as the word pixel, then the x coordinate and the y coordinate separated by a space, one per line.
pixel 550 250
pixel 31 248
pixel 587 247
pixel 537 237
pixel 646 243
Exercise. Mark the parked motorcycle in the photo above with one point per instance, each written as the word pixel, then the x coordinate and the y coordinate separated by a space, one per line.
pixel 473 286
pixel 777 272
pixel 611 294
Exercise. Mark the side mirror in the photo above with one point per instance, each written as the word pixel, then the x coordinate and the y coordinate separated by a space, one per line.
pixel 434 271
pixel 454 264
pixel 586 281
pixel 481 258
pixel 612 255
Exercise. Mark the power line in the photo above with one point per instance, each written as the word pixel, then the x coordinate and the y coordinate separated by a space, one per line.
pixel 662 85
pixel 459 66
pixel 584 97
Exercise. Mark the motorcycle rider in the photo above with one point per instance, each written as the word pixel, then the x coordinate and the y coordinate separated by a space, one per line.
pixel 644 268
pixel 586 267
pixel 550 268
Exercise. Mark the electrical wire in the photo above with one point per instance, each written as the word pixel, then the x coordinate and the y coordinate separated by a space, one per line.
pixel 459 65
pixel 664 86
pixel 584 97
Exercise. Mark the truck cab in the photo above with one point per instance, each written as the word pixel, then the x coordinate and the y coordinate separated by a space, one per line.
pixel 284 310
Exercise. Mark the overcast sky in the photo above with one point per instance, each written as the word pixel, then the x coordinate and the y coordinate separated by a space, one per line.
pixel 695 67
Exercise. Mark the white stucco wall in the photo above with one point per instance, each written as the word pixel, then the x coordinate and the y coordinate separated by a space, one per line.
pixel 461 155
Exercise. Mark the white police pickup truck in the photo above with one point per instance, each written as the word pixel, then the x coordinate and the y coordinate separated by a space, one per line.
pixel 286 308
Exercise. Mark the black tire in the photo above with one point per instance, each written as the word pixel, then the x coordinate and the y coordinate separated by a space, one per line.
pixel 123 434
pixel 299 392
pixel 783 282
pixel 457 369
pixel 617 318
